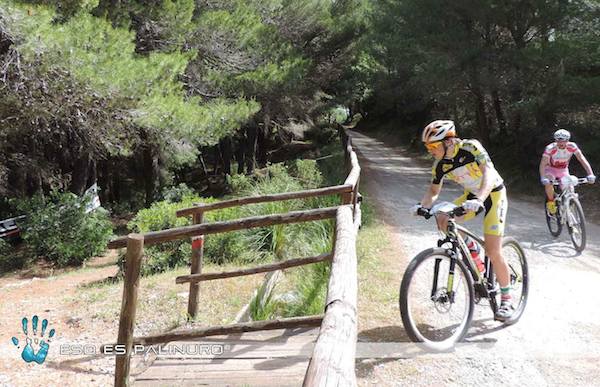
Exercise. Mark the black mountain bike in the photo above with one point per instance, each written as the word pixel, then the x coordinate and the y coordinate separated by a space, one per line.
pixel 568 211
pixel 441 286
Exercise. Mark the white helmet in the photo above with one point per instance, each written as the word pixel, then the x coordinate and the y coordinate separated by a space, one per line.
pixel 438 130
pixel 562 134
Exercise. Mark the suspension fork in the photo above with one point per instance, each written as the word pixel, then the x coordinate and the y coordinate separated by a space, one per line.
pixel 449 282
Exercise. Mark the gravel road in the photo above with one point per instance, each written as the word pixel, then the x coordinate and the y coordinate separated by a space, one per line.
pixel 556 342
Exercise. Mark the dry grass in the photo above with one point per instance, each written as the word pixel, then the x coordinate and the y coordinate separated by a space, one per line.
pixel 162 304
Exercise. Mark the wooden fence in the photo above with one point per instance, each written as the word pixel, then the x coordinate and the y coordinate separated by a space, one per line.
pixel 332 362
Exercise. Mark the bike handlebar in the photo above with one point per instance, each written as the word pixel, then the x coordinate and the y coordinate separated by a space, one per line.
pixel 580 180
pixel 426 213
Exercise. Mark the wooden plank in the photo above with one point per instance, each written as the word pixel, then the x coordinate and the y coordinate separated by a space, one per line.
pixel 133 262
pixel 288 334
pixel 265 369
pixel 338 189
pixel 155 237
pixel 222 351
pixel 226 380
pixel 259 269
pixel 218 365
pixel 333 361
pixel 294 322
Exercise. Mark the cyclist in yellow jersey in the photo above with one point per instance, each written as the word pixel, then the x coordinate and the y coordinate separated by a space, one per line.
pixel 467 163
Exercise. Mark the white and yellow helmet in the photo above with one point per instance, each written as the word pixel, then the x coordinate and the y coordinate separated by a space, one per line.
pixel 438 130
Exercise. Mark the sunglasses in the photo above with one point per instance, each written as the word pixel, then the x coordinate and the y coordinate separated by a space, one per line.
pixel 433 145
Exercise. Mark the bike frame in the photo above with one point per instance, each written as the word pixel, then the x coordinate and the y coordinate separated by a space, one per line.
pixel 459 248
pixel 565 197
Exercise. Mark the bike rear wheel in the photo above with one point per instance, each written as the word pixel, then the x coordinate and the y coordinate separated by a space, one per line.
pixel 553 221
pixel 518 271
pixel 436 306
pixel 576 224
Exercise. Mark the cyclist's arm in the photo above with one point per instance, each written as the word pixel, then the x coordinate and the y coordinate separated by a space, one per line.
pixel 431 195
pixel 487 184
pixel 584 162
pixel 543 164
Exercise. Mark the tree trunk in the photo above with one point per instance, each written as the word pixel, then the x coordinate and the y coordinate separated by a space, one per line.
pixel 499 113
pixel 115 181
pixel 240 153
pixel 481 117
pixel 80 174
pixel 251 148
pixel 104 182
pixel 226 154
pixel 262 137
pixel 150 173
pixel 93 173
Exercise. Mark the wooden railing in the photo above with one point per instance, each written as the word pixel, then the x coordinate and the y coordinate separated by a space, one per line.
pixel 333 357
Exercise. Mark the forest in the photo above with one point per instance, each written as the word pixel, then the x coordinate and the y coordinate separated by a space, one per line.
pixel 145 97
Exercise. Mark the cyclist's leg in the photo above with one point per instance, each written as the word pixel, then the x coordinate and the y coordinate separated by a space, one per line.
pixel 493 226
pixel 494 221
pixel 549 188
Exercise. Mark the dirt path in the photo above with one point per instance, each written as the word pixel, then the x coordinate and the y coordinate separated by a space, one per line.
pixel 84 310
pixel 49 298
pixel 557 341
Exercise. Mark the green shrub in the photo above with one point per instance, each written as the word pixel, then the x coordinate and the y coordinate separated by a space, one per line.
pixel 245 246
pixel 307 172
pixel 58 228
pixel 218 248
pixel 13 255
pixel 311 291
pixel 5 257
pixel 177 193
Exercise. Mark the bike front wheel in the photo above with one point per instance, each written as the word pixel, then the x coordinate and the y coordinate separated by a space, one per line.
pixel 436 299
pixel 553 221
pixel 576 224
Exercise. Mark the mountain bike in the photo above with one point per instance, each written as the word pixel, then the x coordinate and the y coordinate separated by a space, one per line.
pixel 441 285
pixel 568 211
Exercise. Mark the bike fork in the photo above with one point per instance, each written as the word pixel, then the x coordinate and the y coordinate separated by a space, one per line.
pixel 449 283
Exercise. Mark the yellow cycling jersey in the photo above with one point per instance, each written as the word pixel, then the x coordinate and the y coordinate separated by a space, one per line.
pixel 464 167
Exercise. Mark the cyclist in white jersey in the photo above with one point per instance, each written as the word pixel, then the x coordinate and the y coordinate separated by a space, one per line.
pixel 555 164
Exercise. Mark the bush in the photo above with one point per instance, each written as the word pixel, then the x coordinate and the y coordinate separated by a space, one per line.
pixel 177 193
pixel 218 248
pixel 5 256
pixel 4 248
pixel 278 242
pixel 58 228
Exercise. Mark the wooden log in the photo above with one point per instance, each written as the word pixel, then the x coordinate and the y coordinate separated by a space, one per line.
pixel 254 270
pixel 135 250
pixel 286 323
pixel 333 360
pixel 352 178
pixel 265 198
pixel 155 237
pixel 355 195
pixel 196 268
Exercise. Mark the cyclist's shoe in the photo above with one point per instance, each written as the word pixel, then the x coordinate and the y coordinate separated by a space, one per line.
pixel 505 311
pixel 551 207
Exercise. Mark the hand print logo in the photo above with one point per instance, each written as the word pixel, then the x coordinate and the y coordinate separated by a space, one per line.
pixel 29 354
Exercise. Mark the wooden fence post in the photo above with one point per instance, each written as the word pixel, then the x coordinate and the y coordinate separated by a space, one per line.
pixel 196 268
pixel 135 250
pixel 333 359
